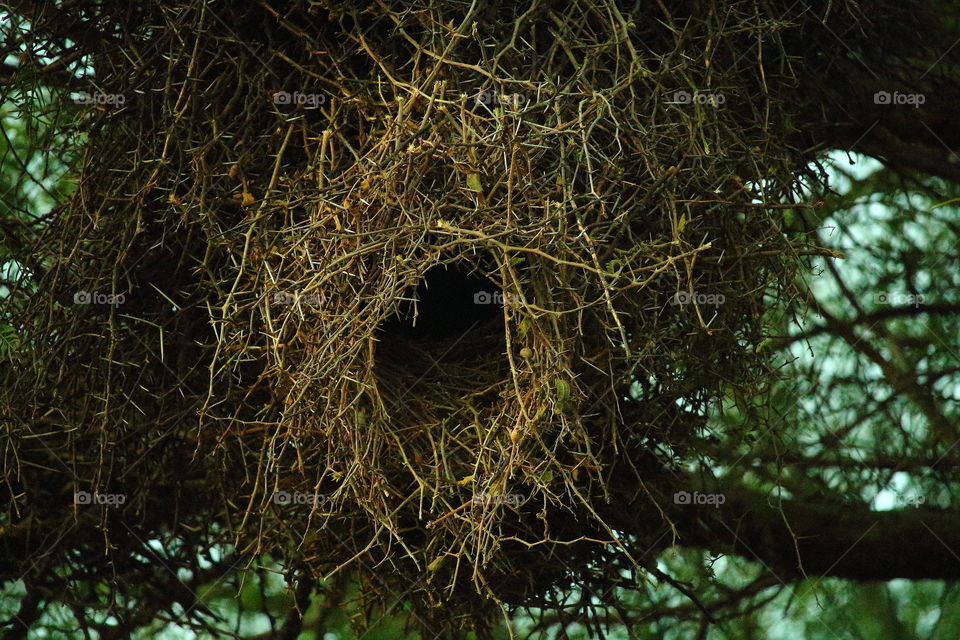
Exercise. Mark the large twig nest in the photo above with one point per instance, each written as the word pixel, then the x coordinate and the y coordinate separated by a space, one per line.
pixel 271 225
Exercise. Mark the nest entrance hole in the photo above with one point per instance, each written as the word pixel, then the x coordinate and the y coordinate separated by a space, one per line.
pixel 447 334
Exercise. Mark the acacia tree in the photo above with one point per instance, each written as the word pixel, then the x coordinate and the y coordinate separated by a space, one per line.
pixel 475 308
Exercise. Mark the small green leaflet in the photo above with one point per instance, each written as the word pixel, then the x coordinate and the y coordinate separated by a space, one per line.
pixel 473 181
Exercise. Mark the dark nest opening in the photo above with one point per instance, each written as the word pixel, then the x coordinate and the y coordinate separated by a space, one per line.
pixel 444 345
pixel 449 303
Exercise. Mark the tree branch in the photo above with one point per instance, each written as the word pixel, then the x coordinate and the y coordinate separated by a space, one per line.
pixel 840 540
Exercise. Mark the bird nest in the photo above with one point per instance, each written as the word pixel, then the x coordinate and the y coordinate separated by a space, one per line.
pixel 432 294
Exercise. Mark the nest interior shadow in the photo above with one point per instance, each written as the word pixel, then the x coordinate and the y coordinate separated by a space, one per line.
pixel 450 302
pixel 447 334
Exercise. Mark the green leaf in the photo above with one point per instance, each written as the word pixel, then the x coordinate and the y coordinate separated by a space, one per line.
pixel 473 181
